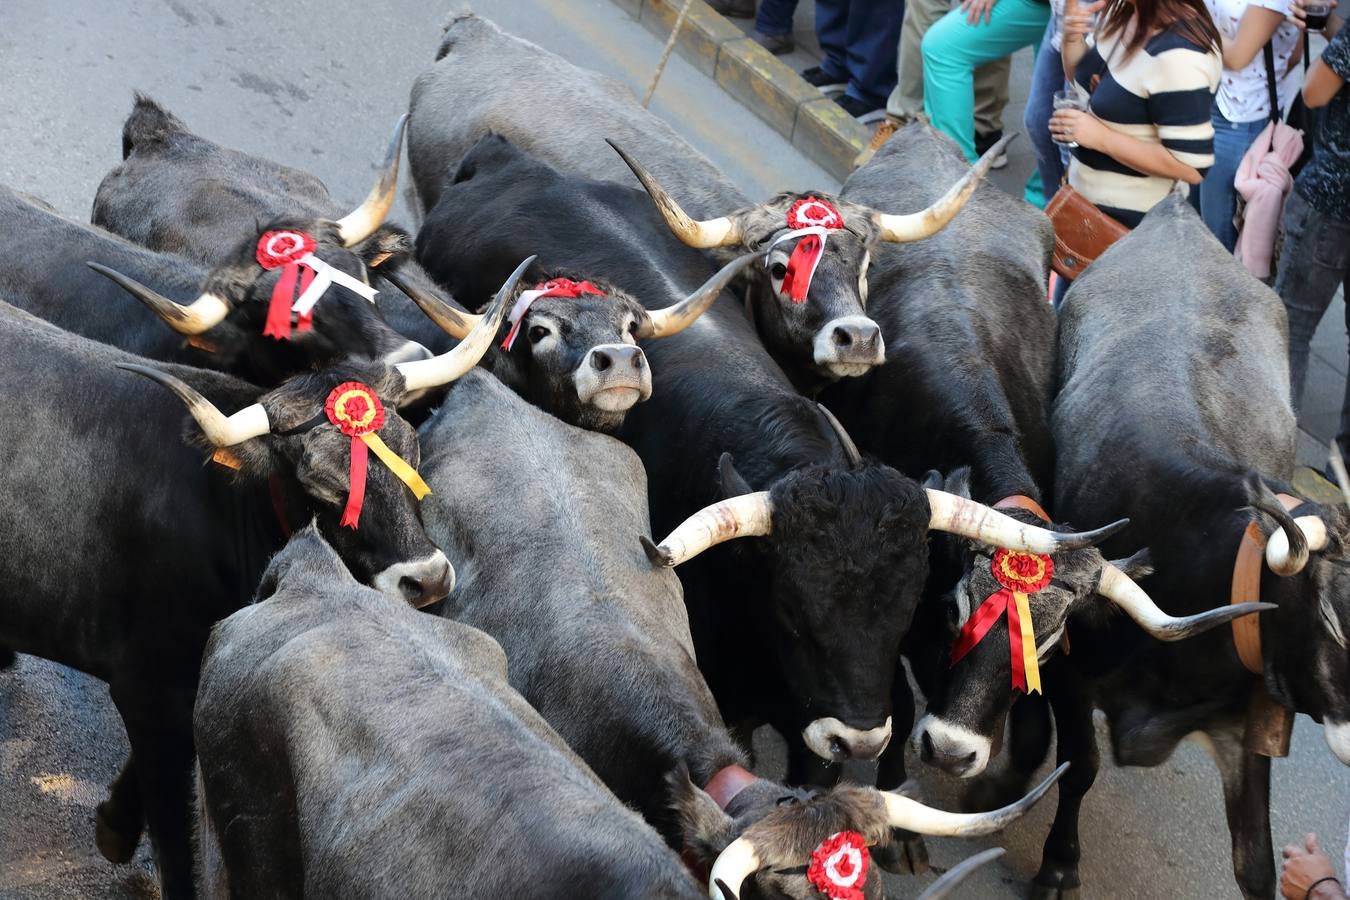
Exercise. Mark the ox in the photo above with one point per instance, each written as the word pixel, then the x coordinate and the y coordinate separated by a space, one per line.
pixel 167 545
pixel 220 311
pixel 476 792
pixel 543 520
pixel 1174 411
pixel 820 337
pixel 178 192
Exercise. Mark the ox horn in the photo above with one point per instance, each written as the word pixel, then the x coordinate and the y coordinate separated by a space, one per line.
pixel 733 865
pixel 202 314
pixel 361 222
pixel 453 322
pixel 1287 556
pixel 749 515
pixel 676 318
pixel 911 815
pixel 850 448
pixel 721 232
pixel 977 522
pixel 943 887
pixel 1122 590
pixel 916 226
pixel 220 429
pixel 429 373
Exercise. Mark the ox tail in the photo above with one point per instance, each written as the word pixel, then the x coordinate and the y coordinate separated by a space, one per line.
pixel 148 124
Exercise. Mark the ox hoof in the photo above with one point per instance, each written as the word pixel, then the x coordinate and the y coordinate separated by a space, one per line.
pixel 116 840
pixel 1054 883
pixel 1041 892
pixel 906 854
pixel 7 658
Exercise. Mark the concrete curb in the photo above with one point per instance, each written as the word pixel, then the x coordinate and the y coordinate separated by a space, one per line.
pixel 815 125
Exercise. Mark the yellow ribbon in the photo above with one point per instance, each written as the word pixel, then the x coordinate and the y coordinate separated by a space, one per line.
pixel 406 473
pixel 1033 671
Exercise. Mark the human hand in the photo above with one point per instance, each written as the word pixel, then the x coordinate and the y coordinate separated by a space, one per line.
pixel 975 9
pixel 1078 18
pixel 1074 126
pixel 1305 866
pixel 1298 13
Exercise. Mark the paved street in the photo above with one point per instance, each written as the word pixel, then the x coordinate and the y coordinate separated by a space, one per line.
pixel 318 85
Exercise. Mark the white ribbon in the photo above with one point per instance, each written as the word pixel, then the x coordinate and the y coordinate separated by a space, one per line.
pixel 325 276
pixel 820 230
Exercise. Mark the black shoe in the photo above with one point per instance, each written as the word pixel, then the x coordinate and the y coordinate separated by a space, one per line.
pixel 777 44
pixel 985 141
pixel 861 110
pixel 735 9
pixel 827 84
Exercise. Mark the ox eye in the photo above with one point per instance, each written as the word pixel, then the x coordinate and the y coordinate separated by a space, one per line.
pixel 538 333
pixel 778 271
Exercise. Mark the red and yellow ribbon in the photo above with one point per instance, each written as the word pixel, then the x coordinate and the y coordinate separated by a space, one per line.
pixel 358 413
pixel 1020 574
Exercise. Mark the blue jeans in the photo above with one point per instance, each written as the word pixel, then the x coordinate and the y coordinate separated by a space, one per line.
pixel 859 39
pixel 1046 77
pixel 775 16
pixel 1218 197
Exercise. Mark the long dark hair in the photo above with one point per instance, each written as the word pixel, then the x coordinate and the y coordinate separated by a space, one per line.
pixel 1188 18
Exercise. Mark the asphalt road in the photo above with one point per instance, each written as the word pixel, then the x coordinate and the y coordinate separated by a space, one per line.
pixel 318 85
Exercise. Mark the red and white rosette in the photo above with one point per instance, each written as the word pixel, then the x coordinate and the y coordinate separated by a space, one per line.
pixel 555 287
pixel 810 219
pixel 293 253
pixel 839 866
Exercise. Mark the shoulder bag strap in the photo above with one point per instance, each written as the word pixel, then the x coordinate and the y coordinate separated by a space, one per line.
pixel 1268 51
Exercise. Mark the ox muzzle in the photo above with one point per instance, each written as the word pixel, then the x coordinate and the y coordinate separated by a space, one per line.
pixel 419 582
pixel 849 346
pixel 613 377
pixel 832 740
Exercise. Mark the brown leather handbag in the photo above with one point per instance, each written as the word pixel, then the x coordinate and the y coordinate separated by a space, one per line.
pixel 1082 231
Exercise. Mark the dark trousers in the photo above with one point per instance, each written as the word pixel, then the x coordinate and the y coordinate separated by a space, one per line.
pixel 775 16
pixel 859 39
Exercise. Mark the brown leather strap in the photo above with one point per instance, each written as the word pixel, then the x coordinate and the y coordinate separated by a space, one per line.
pixel 1247 571
pixel 727 782
pixel 1021 501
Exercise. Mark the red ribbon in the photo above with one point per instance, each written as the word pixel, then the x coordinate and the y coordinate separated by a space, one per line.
pixel 800 265
pixel 1017 572
pixel 555 287
pixel 357 495
pixel 283 250
pixel 356 411
pixel 978 625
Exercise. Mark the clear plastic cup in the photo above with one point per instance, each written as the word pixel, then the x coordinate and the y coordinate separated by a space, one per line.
pixel 1071 99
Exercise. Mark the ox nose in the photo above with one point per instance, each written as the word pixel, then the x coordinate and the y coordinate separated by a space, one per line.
pixel 951 748
pixel 832 740
pixel 850 345
pixel 617 357
pixel 955 763
pixel 419 582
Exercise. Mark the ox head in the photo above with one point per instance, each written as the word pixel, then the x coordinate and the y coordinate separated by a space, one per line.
pixel 1304 643
pixel 229 316
pixel 963 724
pixel 573 349
pixel 762 845
pixel 847 548
pixel 287 433
pixel 825 331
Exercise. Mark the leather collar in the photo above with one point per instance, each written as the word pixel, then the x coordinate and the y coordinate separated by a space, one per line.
pixel 1021 501
pixel 1247 571
pixel 727 782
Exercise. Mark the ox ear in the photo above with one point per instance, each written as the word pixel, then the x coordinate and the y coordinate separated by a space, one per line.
pixel 1137 566
pixel 704 827
pixel 733 485
pixel 388 246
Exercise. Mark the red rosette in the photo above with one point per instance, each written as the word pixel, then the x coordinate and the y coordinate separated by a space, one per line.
pixel 278 248
pixel 811 212
pixel 566 287
pixel 1024 572
pixel 354 409
pixel 839 866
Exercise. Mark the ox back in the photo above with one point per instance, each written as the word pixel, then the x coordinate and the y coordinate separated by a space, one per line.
pixel 542 520
pixel 450 113
pixel 178 192
pixel 1174 385
pixel 971 337
pixel 328 697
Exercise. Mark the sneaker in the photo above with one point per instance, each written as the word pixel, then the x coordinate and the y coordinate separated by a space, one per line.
pixel 861 110
pixel 884 131
pixel 777 44
pixel 735 9
pixel 984 141
pixel 827 84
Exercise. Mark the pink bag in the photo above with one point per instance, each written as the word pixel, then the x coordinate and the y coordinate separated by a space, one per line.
pixel 1264 181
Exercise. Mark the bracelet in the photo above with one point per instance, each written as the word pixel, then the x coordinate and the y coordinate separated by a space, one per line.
pixel 1321 880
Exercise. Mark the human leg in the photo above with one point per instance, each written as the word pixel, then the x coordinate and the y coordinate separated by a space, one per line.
pixel 906 100
pixel 873 34
pixel 775 16
pixel 1047 77
pixel 991 94
pixel 1218 197
pixel 1306 284
pixel 832 34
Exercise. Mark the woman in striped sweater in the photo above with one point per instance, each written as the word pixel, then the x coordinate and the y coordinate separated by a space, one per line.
pixel 1152 71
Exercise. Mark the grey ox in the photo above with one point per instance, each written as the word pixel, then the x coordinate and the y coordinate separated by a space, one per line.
pixel 562 114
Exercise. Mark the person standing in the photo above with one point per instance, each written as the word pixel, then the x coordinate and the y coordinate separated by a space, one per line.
pixel 1315 258
pixel 858 39
pixel 773 26
pixel 1242 105
pixel 1047 77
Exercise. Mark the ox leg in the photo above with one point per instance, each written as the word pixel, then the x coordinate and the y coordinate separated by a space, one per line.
pixel 1028 743
pixel 805 768
pixel 1246 800
pixel 120 819
pixel 906 853
pixel 1076 744
pixel 159 729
